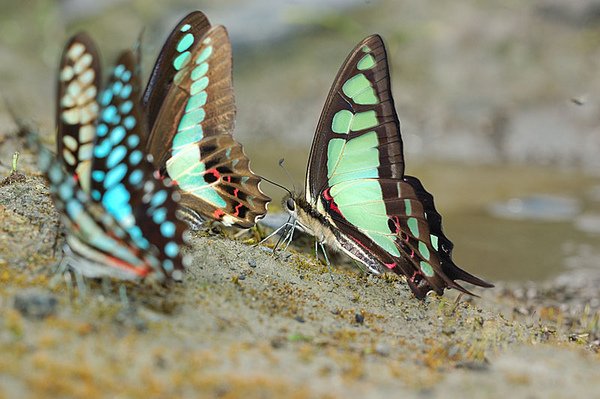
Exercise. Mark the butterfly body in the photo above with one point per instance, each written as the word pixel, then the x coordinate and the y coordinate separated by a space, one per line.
pixel 357 198
pixel 324 229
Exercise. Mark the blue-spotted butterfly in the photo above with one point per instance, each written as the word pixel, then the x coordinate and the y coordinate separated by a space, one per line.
pixel 120 216
pixel 357 198
pixel 190 107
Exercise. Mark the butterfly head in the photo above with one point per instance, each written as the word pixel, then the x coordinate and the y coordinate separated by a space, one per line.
pixel 289 204
pixel 307 219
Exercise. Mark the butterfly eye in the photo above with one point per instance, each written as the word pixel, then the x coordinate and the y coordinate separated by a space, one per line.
pixel 291 205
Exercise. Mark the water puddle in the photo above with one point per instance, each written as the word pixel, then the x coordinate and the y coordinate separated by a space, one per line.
pixel 513 223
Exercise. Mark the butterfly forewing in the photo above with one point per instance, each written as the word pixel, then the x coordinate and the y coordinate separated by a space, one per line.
pixel 200 102
pixel 77 108
pixel 191 139
pixel 355 178
pixel 359 103
pixel 172 58
pixel 123 181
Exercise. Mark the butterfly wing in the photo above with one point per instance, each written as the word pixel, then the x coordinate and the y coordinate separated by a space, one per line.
pixel 355 177
pixel 359 102
pixel 123 181
pixel 191 139
pixel 101 247
pixel 77 108
pixel 171 58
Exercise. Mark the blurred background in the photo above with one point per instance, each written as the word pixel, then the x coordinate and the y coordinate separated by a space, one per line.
pixel 499 102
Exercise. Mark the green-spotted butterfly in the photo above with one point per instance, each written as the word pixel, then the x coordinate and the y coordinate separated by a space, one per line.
pixel 120 217
pixel 190 107
pixel 357 198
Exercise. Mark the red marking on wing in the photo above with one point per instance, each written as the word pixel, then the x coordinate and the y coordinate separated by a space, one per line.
pixel 390 265
pixel 359 243
pixel 215 173
pixel 331 202
pixel 396 221
pixel 218 214
pixel 416 277
pixel 142 272
pixel 237 209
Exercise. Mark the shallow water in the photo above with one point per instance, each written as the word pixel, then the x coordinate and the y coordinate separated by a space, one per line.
pixel 493 247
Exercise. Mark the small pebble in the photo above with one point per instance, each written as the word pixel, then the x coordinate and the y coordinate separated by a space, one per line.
pixel 473 365
pixel 453 351
pixel 448 330
pixel 382 349
pixel 128 316
pixel 252 263
pixel 360 319
pixel 299 319
pixel 242 276
pixel 35 303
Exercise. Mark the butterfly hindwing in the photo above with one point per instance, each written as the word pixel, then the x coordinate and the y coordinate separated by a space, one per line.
pixel 439 241
pixel 101 246
pixel 171 58
pixel 77 108
pixel 191 140
pixel 355 178
pixel 221 186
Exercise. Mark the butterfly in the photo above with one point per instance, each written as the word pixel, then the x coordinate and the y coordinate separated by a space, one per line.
pixel 357 198
pixel 120 216
pixel 190 108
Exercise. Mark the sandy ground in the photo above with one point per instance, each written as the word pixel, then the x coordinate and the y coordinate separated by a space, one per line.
pixel 247 324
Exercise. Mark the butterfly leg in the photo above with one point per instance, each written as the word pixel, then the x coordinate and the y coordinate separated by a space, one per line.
pixel 81 284
pixel 69 284
pixel 272 234
pixel 60 269
pixel 286 224
pixel 123 296
pixel 289 237
pixel 56 235
pixel 284 234
pixel 326 261
pixel 106 286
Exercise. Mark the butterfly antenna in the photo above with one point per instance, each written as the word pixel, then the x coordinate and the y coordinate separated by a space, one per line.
pixel 281 161
pixel 277 185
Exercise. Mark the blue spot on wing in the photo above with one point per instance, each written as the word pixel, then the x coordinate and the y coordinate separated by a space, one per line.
pixel 116 156
pixel 115 176
pixel 171 249
pixel 158 198
pixel 167 229
pixel 103 149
